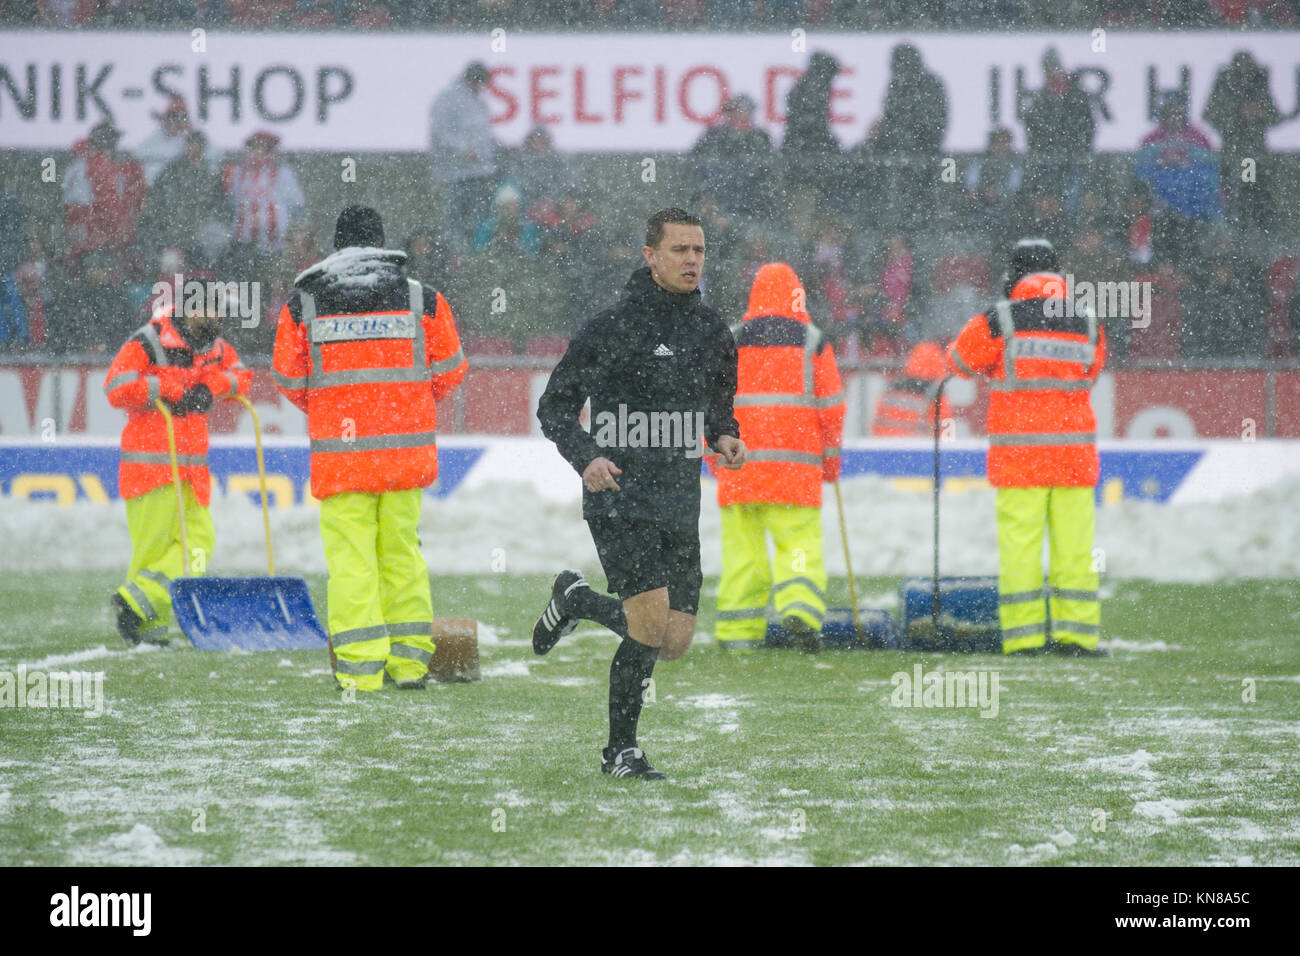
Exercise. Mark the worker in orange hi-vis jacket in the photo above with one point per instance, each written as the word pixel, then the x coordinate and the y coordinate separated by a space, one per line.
pixel 1041 359
pixel 184 361
pixel 790 406
pixel 906 409
pixel 366 352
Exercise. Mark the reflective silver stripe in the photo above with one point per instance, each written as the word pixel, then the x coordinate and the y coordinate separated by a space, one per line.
pixel 830 401
pixel 1057 350
pixel 373 442
pixel 117 381
pixel 818 614
pixel 359 634
pixel 287 383
pixel 1025 630
pixel 397 649
pixel 808 583
pixel 162 458
pixel 789 457
pixel 744 614
pixel 812 338
pixel 1092 326
pixel 1008 328
pixel 146 608
pixel 410 629
pixel 1043 384
pixel 157 353
pixel 448 364
pixel 157 577
pixel 418 356
pixel 961 363
pixel 308 317
pixel 830 453
pixel 1076 627
pixel 153 389
pixel 359 668
pixel 1020 597
pixel 1037 438
pixel 1069 594
pixel 369 376
pixel 773 398
pixel 234 382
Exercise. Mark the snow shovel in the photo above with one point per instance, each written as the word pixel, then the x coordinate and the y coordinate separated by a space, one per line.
pixel 251 614
pixel 954 613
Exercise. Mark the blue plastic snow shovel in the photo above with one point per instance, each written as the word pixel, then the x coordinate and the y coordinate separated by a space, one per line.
pixel 251 614
pixel 953 613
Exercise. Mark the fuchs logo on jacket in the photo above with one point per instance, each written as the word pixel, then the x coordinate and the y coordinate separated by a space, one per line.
pixel 651 430
pixel 350 328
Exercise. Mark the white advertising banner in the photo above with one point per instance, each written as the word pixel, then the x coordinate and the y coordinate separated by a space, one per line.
pixel 597 92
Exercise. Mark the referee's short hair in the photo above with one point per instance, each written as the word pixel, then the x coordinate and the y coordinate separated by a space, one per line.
pixel 654 227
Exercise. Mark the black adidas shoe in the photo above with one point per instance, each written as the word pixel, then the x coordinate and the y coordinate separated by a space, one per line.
pixel 628 762
pixel 128 622
pixel 554 622
pixel 1070 649
pixel 808 641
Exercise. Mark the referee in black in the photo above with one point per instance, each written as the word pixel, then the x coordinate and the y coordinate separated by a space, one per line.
pixel 660 370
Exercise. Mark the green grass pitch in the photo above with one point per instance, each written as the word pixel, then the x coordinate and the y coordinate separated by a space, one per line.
pixel 1180 750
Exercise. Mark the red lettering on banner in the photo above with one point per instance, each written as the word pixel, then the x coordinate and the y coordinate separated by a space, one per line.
pixel 536 94
pixel 621 93
pixel 841 95
pixel 661 94
pixel 503 95
pixel 769 91
pixel 580 99
pixel 683 93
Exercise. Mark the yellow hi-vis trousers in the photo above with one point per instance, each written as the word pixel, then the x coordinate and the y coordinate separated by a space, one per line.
pixel 380 606
pixel 156 555
pixel 793 580
pixel 1068 515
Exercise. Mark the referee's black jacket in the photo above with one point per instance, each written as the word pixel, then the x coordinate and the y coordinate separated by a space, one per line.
pixel 656 367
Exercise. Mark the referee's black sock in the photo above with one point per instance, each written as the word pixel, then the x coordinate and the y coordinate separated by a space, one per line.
pixel 590 605
pixel 633 664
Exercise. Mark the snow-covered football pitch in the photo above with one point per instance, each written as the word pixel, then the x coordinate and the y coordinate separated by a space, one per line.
pixel 1178 750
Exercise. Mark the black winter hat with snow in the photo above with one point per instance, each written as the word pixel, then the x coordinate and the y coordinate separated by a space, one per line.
pixel 1033 255
pixel 358 226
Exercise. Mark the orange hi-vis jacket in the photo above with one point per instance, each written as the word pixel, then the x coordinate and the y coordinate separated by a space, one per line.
pixel 368 382
pixel 789 400
pixel 1042 365
pixel 906 409
pixel 157 363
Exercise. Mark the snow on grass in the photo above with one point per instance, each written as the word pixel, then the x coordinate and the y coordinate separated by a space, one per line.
pixel 141 846
pixel 506 669
pixel 1166 810
pixel 1122 644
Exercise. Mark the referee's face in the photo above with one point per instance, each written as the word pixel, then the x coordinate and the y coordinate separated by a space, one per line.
pixel 678 260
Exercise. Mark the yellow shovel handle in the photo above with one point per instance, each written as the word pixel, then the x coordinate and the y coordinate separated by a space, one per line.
pixel 261 477
pixel 176 480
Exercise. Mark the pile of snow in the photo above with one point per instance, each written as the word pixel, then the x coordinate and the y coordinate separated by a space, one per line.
pixel 511 528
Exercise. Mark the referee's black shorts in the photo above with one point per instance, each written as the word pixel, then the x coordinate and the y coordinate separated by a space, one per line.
pixel 640 556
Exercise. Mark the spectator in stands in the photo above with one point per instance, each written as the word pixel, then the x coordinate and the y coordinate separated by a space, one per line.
pixel 810 148
pixel 992 181
pixel 1091 258
pixel 91 311
pixel 427 256
pixel 1059 131
pixel 915 118
pixel 463 151
pixel 265 200
pixel 14 333
pixel 888 330
pixel 1138 228
pixel 1242 111
pixel 1178 162
pixel 34 287
pixel 103 194
pixel 1227 314
pixel 542 174
pixel 507 228
pixel 168 141
pixel 733 160
pixel 185 203
pixel 1160 340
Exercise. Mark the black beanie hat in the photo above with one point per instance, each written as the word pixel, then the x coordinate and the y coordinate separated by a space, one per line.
pixel 358 226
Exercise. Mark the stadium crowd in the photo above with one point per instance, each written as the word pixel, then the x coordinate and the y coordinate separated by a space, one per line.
pixel 893 248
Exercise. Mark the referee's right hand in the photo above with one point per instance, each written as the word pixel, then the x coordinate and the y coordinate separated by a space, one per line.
pixel 599 475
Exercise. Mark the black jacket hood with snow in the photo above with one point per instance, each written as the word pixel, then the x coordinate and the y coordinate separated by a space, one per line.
pixel 357 280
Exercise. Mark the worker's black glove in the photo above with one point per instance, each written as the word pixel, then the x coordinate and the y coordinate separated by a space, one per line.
pixel 196 400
